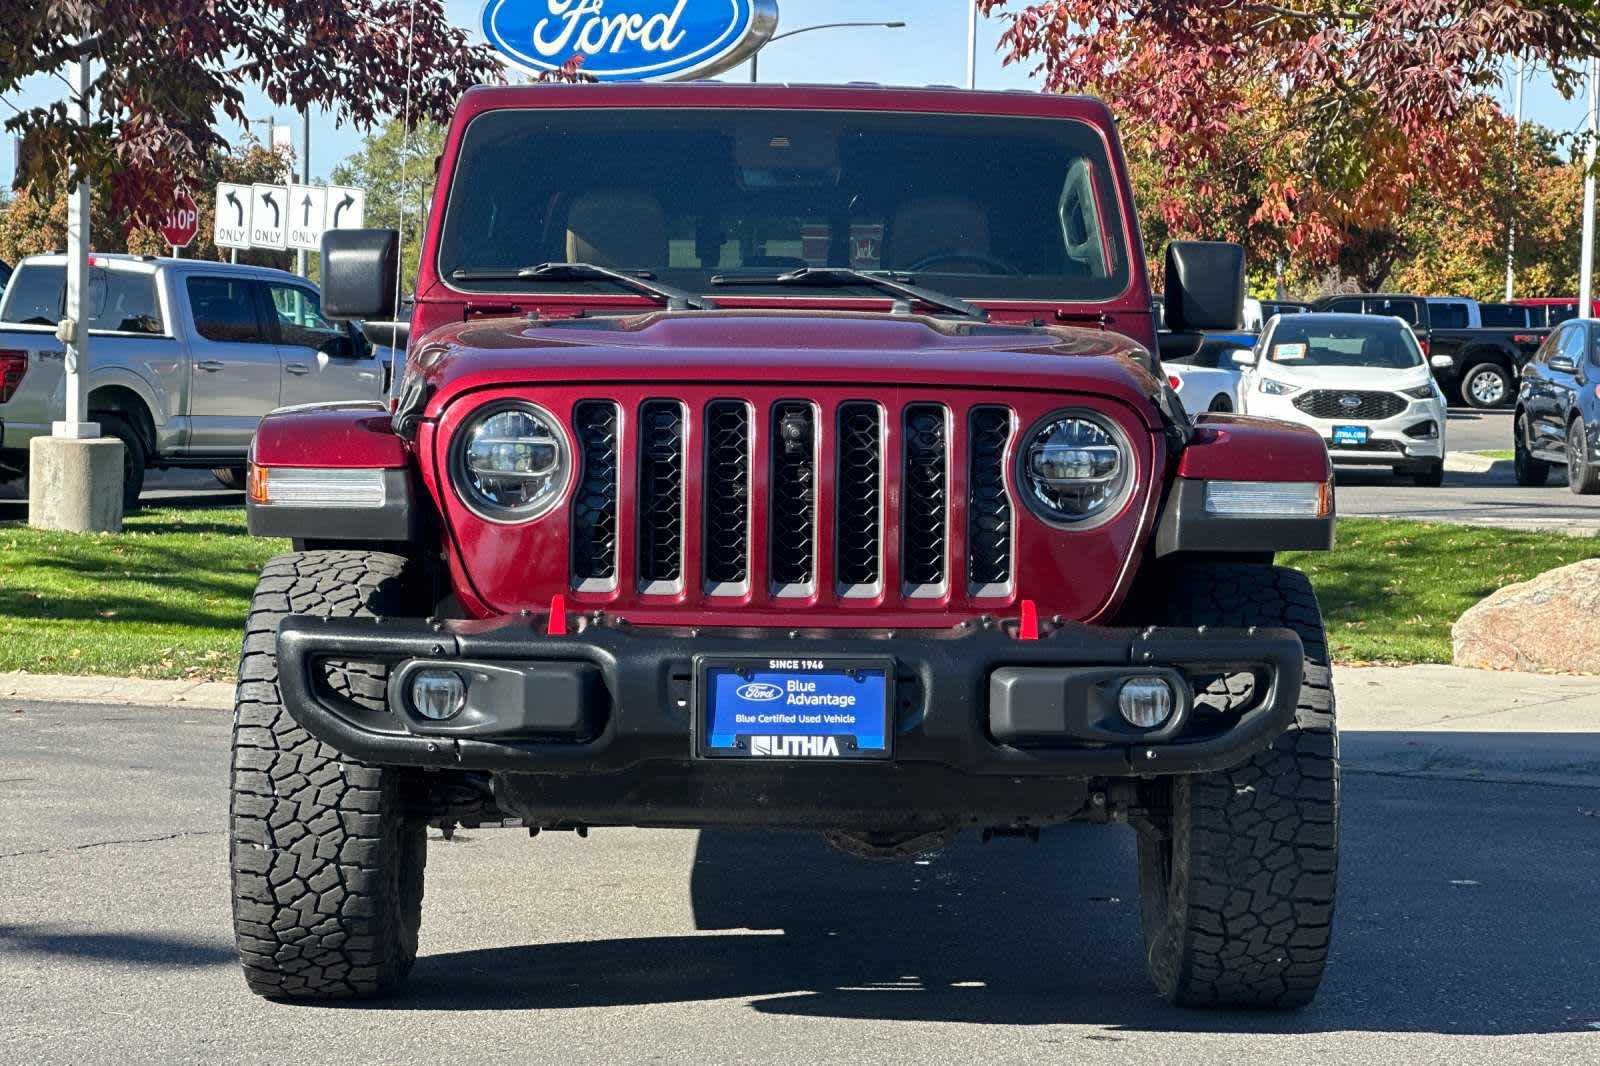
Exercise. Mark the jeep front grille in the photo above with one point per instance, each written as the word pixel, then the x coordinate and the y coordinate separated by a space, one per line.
pixel 1349 403
pixel 795 501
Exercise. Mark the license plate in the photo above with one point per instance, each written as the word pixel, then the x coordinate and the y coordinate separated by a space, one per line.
pixel 795 709
pixel 1350 434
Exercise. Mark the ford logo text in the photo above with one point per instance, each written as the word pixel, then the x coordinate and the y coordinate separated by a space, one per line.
pixel 630 40
pixel 759 692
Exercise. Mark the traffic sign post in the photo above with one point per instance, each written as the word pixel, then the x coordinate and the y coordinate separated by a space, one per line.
pixel 183 222
pixel 268 217
pixel 347 207
pixel 308 206
pixel 281 217
pixel 230 224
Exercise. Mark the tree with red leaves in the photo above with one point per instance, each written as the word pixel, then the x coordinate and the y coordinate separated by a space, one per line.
pixel 1292 125
pixel 165 72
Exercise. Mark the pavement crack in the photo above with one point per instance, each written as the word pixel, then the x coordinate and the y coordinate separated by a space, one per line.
pixel 112 843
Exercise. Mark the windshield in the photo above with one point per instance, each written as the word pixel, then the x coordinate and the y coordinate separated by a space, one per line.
pixel 1312 340
pixel 980 207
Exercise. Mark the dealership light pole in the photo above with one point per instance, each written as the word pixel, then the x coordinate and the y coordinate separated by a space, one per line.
pixel 1586 269
pixel 972 44
pixel 1511 217
pixel 755 67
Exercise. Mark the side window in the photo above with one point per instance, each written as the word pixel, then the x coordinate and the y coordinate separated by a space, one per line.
pixel 1573 339
pixel 124 302
pixel 35 295
pixel 300 320
pixel 1402 309
pixel 224 310
pixel 1448 316
pixel 1551 345
pixel 1345 307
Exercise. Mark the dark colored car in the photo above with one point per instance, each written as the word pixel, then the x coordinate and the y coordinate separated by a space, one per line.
pixel 1283 307
pixel 790 457
pixel 1477 366
pixel 1558 409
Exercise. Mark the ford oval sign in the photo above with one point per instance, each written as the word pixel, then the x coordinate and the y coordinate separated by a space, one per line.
pixel 630 40
pixel 759 692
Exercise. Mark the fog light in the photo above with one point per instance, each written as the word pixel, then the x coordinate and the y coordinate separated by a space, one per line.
pixel 1145 702
pixel 438 695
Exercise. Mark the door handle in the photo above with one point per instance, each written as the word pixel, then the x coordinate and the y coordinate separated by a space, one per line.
pixel 296 368
pixel 211 366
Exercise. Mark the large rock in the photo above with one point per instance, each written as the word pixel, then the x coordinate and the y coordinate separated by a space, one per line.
pixel 1548 625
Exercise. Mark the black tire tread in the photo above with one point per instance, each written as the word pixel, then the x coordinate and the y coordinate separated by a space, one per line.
pixel 1587 481
pixel 326 868
pixel 1530 472
pixel 1247 921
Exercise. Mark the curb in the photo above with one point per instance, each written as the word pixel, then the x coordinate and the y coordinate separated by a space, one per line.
pixel 132 692
pixel 1473 463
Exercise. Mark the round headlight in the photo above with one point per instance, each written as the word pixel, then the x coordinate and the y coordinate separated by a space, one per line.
pixel 1077 469
pixel 511 462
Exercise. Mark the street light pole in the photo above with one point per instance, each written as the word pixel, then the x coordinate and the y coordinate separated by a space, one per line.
pixel 301 258
pixel 755 60
pixel 1586 269
pixel 1511 220
pixel 74 329
pixel 972 44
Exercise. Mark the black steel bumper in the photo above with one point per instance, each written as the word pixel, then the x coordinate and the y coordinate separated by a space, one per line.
pixel 973 703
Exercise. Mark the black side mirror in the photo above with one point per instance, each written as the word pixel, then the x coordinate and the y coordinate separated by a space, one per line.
pixel 1562 365
pixel 1205 286
pixel 360 273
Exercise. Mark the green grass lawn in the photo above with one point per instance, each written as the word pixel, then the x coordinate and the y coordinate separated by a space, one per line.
pixel 1497 454
pixel 1390 591
pixel 168 597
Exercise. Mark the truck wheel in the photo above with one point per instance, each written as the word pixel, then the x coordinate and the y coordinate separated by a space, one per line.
pixel 1486 385
pixel 1583 474
pixel 1237 882
pixel 230 477
pixel 326 860
pixel 134 458
pixel 1531 472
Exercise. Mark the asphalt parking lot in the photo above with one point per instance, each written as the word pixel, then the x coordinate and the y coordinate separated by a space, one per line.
pixel 1466 933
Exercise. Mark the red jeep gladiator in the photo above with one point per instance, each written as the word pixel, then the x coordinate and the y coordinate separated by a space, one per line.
pixel 789 457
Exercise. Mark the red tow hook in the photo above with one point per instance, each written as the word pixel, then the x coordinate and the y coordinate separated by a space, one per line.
pixel 1029 627
pixel 558 616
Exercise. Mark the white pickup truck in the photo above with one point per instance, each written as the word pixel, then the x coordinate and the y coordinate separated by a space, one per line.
pixel 185 358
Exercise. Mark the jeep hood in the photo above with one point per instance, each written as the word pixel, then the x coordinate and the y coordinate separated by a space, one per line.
pixel 870 349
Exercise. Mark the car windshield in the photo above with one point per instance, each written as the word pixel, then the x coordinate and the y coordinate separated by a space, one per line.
pixel 1312 340
pixel 973 206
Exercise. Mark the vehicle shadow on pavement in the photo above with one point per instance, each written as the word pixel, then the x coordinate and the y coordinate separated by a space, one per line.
pixel 1019 934
pixel 128 948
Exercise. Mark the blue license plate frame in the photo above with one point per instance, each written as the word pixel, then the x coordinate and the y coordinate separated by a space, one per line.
pixel 811 720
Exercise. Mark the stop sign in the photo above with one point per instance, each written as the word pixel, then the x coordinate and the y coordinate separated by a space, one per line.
pixel 183 221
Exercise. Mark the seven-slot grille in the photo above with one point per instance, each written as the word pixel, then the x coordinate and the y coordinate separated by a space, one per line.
pixel 1343 403
pixel 826 488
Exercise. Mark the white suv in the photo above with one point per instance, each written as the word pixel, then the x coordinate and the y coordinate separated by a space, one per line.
pixel 1359 380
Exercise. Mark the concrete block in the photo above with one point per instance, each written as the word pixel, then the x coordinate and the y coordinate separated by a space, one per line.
pixel 75 485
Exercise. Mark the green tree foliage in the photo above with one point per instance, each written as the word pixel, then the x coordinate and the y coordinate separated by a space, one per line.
pixel 397 169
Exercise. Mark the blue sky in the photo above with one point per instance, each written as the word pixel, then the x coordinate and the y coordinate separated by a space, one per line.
pixel 931 49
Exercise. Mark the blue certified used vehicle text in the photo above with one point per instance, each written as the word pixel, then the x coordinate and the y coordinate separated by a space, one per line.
pixel 630 40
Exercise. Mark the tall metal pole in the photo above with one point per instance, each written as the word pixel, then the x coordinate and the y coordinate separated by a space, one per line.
pixel 1511 219
pixel 302 259
pixel 755 66
pixel 1586 269
pixel 972 44
pixel 74 329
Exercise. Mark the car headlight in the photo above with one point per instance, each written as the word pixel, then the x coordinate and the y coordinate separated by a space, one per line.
pixel 1077 469
pixel 1421 392
pixel 511 462
pixel 1277 388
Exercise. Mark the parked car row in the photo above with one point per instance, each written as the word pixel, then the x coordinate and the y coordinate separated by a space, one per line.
pixel 1557 418
pixel 187 357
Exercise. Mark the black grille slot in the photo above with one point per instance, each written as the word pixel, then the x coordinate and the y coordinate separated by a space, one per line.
pixel 660 495
pixel 1340 403
pixel 792 535
pixel 989 505
pixel 727 496
pixel 926 503
pixel 860 502
pixel 594 511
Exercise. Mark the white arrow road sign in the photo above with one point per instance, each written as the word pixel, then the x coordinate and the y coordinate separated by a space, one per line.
pixel 307 208
pixel 269 215
pixel 347 207
pixel 230 225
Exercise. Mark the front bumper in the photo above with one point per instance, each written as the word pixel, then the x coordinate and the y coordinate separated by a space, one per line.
pixel 604 719
pixel 1388 442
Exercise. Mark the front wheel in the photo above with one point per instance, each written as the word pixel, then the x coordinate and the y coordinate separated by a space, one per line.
pixel 1237 867
pixel 326 857
pixel 1583 474
pixel 1486 386
pixel 1430 476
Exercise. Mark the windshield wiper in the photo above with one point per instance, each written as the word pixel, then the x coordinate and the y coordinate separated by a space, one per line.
pixel 844 277
pixel 675 299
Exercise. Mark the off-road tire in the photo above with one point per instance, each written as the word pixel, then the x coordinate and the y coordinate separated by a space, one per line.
pixel 1237 885
pixel 135 458
pixel 230 477
pixel 1487 394
pixel 1531 472
pixel 1430 476
pixel 327 863
pixel 1583 473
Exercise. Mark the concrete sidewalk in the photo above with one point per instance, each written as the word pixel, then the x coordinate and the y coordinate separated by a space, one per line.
pixel 1436 721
